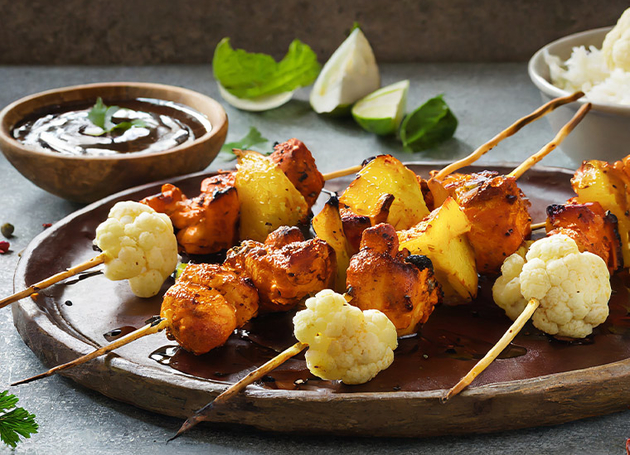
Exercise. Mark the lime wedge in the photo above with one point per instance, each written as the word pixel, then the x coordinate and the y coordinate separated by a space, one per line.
pixel 349 75
pixel 382 112
pixel 261 103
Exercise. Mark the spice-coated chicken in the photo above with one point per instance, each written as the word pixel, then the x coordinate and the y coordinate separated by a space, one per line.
pixel 206 304
pixel 207 223
pixel 399 284
pixel 286 268
pixel 593 229
pixel 498 212
pixel 298 164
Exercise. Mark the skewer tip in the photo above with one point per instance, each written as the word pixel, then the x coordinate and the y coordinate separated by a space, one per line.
pixel 31 379
pixel 192 421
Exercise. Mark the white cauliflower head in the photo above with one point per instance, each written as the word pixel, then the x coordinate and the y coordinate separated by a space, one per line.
pixel 139 245
pixel 616 47
pixel 573 288
pixel 344 342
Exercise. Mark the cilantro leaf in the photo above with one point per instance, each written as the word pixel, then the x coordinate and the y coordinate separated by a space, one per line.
pixel 250 75
pixel 14 422
pixel 428 126
pixel 250 140
pixel 101 116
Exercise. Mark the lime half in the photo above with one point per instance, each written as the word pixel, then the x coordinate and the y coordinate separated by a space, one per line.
pixel 382 111
pixel 349 75
pixel 261 103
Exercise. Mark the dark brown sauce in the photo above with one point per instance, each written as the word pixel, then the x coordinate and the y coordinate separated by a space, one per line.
pixel 450 343
pixel 66 128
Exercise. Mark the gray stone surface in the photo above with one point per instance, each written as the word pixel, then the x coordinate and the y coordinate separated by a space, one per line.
pixel 186 31
pixel 75 420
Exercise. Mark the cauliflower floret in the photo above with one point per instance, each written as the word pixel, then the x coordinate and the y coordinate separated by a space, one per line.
pixel 507 289
pixel 616 47
pixel 573 288
pixel 344 342
pixel 139 245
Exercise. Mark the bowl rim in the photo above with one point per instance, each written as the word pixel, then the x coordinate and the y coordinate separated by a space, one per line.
pixel 5 136
pixel 551 90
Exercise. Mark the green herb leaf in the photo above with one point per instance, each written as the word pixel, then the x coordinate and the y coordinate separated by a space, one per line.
pixel 14 422
pixel 251 139
pixel 429 125
pixel 250 75
pixel 101 116
pixel 180 269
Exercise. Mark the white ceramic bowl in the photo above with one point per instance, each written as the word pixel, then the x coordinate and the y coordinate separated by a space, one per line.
pixel 604 134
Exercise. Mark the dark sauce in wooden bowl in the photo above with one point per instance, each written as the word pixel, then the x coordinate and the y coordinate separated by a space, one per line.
pixel 66 128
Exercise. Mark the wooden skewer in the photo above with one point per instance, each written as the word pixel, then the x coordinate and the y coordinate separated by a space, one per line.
pixel 53 279
pixel 154 326
pixel 550 146
pixel 505 340
pixel 342 172
pixel 536 226
pixel 255 375
pixel 512 129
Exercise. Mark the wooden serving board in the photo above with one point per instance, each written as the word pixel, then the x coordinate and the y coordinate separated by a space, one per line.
pixel 538 380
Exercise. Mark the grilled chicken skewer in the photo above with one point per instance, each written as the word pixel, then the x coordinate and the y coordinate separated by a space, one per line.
pixel 202 309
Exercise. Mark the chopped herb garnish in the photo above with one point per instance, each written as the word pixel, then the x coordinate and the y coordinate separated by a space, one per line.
pixel 14 422
pixel 248 142
pixel 101 115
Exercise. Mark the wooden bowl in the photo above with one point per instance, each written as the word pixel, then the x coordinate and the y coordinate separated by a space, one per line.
pixel 89 178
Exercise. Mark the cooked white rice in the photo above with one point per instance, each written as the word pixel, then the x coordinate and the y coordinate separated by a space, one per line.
pixel 588 71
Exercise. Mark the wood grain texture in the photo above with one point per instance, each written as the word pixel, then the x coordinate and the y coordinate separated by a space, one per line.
pixel 89 178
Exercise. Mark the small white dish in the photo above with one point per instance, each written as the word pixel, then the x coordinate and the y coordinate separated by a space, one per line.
pixel 604 134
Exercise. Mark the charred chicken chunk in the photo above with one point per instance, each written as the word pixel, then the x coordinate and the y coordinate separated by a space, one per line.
pixel 286 268
pixel 498 212
pixel 593 230
pixel 207 223
pixel 399 284
pixel 205 306
pixel 298 164
pixel 608 184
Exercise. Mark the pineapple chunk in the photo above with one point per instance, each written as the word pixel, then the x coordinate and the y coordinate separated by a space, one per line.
pixel 328 227
pixel 267 196
pixel 442 238
pixel 367 195
pixel 598 181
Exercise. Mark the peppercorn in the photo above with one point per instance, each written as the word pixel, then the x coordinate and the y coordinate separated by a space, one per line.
pixel 7 230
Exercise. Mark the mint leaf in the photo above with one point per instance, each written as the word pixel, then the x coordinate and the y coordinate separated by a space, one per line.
pixel 96 115
pixel 250 75
pixel 250 140
pixel 101 116
pixel 14 422
pixel 429 125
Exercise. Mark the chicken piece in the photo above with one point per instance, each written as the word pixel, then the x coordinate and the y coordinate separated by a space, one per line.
pixel 608 184
pixel 498 212
pixel 285 268
pixel 205 306
pixel 237 288
pixel 399 284
pixel 207 223
pixel 298 164
pixel 593 229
